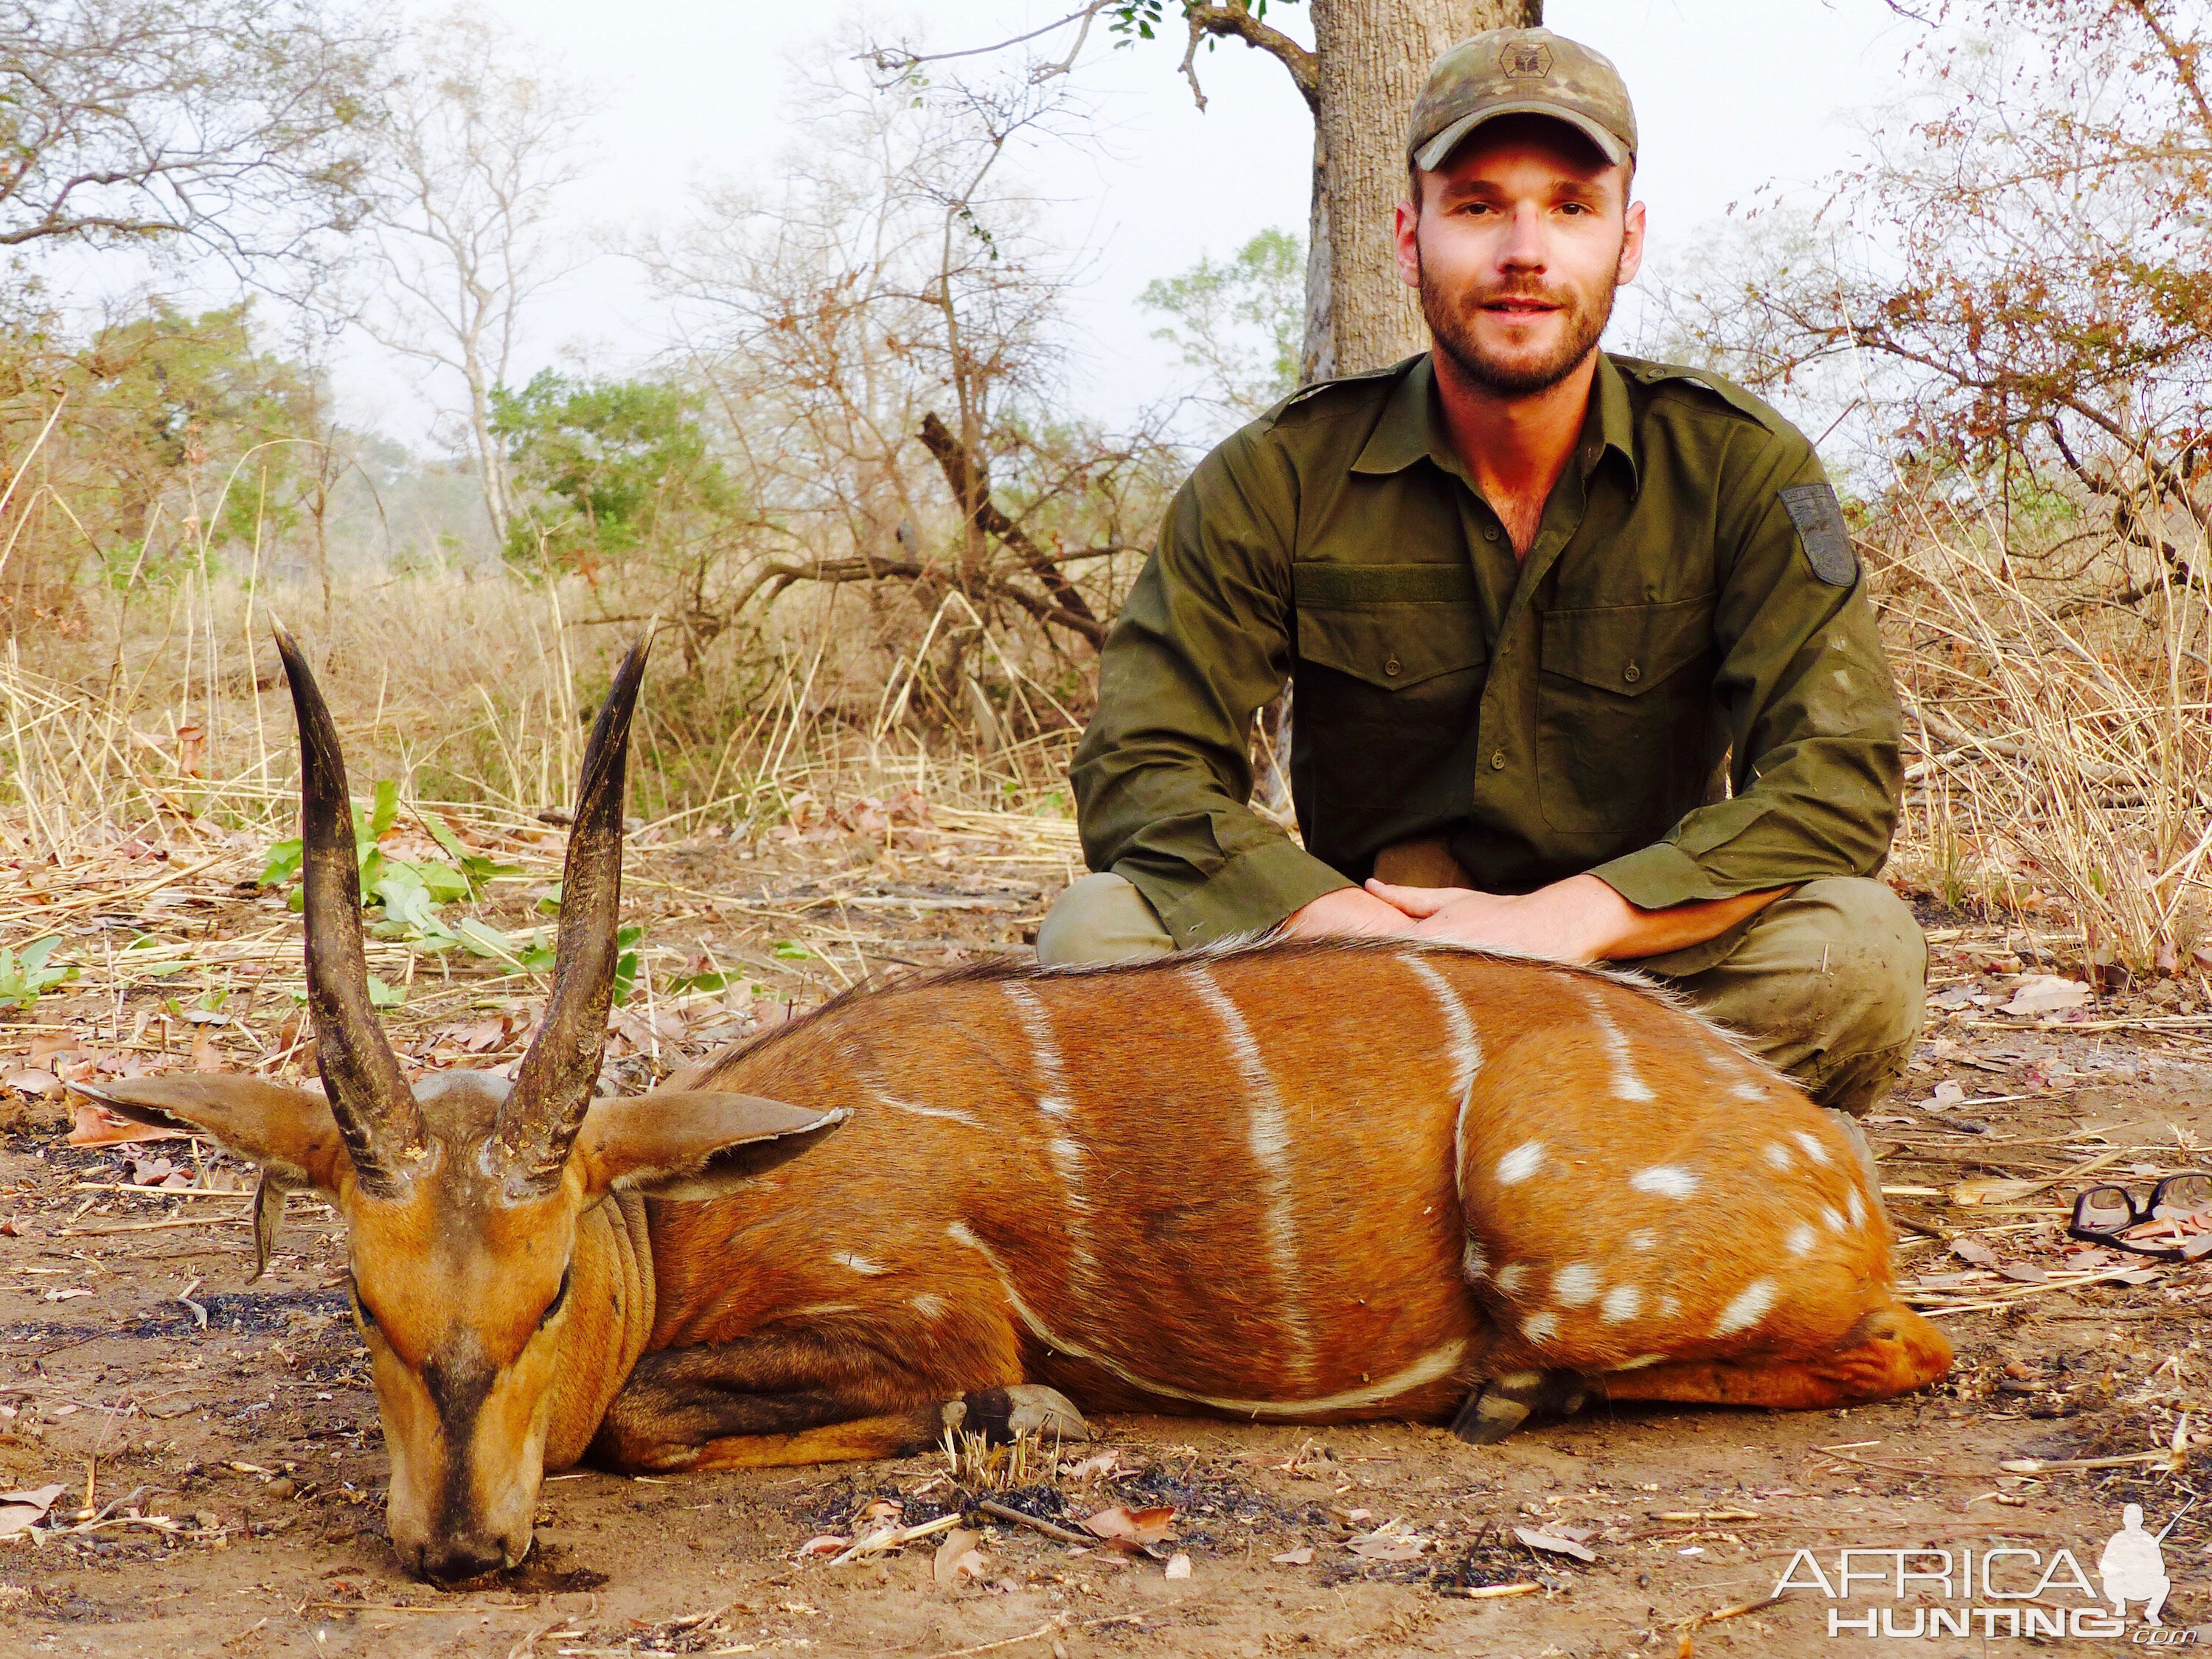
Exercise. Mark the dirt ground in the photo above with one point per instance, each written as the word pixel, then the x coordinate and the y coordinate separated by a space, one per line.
pixel 223 1471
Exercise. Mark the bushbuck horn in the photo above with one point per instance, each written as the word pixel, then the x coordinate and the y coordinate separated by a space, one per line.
pixel 368 1094
pixel 553 1082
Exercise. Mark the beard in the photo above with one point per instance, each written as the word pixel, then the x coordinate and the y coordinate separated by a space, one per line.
pixel 1451 320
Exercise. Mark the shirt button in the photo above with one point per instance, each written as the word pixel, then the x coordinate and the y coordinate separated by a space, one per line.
pixel 1497 760
pixel 1490 533
pixel 1631 673
pixel 1391 666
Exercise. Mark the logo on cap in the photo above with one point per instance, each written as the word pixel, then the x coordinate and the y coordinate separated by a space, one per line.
pixel 1525 60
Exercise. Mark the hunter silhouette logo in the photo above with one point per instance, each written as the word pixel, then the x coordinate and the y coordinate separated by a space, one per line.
pixel 2133 1566
pixel 2000 1589
pixel 1525 61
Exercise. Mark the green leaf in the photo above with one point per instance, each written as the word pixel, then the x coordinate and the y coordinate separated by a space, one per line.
pixel 387 809
pixel 702 981
pixel 549 901
pixel 284 863
pixel 790 950
pixel 381 995
pixel 536 956
pixel 481 940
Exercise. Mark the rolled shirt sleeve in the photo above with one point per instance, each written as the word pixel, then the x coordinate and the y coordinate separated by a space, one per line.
pixel 1805 688
pixel 1163 777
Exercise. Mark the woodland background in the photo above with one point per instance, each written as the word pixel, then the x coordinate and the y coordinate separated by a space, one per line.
pixel 859 500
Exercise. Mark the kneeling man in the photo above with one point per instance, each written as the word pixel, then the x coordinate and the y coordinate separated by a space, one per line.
pixel 1582 659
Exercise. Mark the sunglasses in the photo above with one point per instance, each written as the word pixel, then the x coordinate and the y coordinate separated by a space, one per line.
pixel 2102 1214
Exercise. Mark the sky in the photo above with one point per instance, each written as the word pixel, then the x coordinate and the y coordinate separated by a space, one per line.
pixel 1731 95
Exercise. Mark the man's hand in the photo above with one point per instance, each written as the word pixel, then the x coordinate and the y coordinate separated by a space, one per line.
pixel 1349 912
pixel 1578 920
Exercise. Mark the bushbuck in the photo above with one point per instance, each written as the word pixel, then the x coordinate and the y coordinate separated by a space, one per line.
pixel 1304 1182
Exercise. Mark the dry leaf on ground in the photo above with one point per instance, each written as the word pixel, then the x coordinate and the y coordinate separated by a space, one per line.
pixel 21 1510
pixel 1553 1544
pixel 1973 1250
pixel 957 1557
pixel 2045 993
pixel 1122 1525
pixel 1178 1565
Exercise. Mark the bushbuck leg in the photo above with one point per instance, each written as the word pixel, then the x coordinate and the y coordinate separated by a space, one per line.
pixel 1891 1351
pixel 798 1398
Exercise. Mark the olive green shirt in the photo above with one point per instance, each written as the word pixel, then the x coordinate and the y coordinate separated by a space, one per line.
pixel 1678 689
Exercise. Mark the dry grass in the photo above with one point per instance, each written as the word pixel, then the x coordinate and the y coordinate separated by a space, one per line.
pixel 2059 742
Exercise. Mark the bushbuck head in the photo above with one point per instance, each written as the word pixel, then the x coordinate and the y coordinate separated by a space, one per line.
pixel 495 1341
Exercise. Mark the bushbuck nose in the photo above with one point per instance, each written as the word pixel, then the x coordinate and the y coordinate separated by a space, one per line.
pixel 455 1560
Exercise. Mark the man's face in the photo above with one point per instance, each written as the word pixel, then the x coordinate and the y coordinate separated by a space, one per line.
pixel 1516 247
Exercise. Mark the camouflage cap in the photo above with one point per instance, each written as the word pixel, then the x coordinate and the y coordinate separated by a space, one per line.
pixel 1520 72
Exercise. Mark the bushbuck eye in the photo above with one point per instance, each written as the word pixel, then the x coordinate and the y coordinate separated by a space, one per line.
pixel 560 1296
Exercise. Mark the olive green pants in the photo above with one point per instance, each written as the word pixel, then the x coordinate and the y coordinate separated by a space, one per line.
pixel 1827 983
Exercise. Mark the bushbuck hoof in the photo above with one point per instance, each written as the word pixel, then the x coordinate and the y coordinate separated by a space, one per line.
pixel 1000 1415
pixel 1502 1404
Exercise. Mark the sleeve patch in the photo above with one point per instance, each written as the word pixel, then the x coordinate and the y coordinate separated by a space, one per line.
pixel 1826 539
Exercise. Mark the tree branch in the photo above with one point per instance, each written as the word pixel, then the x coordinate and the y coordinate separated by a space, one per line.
pixel 974 496
pixel 1233 19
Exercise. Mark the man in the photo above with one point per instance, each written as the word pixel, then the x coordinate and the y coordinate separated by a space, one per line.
pixel 1582 659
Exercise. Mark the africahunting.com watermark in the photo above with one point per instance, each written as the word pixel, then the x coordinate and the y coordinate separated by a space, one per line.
pixel 2001 1590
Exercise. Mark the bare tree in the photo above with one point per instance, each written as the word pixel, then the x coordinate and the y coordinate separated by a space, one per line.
pixel 877 331
pixel 482 139
pixel 234 125
pixel 1359 79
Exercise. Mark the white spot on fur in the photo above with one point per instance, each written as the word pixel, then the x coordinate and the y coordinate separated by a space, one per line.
pixel 1749 1307
pixel 1643 1239
pixel 1465 1056
pixel 816 1310
pixel 959 1234
pixel 1541 1328
pixel 1664 1181
pixel 1813 1149
pixel 930 1305
pixel 1778 1155
pixel 1627 1082
pixel 859 1263
pixel 1801 1239
pixel 1668 1307
pixel 1855 1207
pixel 1070 1162
pixel 1511 1276
pixel 1622 1302
pixel 1835 1222
pixel 1472 1262
pixel 1639 1362
pixel 1753 1091
pixel 1575 1285
pixel 1266 1133
pixel 1521 1162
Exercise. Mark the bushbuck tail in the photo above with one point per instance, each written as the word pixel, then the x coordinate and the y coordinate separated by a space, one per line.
pixel 1294 1182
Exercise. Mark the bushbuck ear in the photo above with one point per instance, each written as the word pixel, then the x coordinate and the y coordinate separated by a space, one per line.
pixel 289 1133
pixel 692 1143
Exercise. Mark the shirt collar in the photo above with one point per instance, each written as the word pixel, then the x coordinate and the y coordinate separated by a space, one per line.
pixel 1413 427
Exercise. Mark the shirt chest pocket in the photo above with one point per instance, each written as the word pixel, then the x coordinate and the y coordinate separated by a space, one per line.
pixel 1392 628
pixel 1622 709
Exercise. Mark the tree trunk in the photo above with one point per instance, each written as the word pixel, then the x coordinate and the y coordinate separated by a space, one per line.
pixel 1374 55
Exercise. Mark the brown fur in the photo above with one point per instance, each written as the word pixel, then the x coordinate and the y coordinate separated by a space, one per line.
pixel 1248 1182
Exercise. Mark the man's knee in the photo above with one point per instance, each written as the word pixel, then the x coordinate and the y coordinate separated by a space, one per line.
pixel 1830 985
pixel 1100 919
pixel 1873 969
